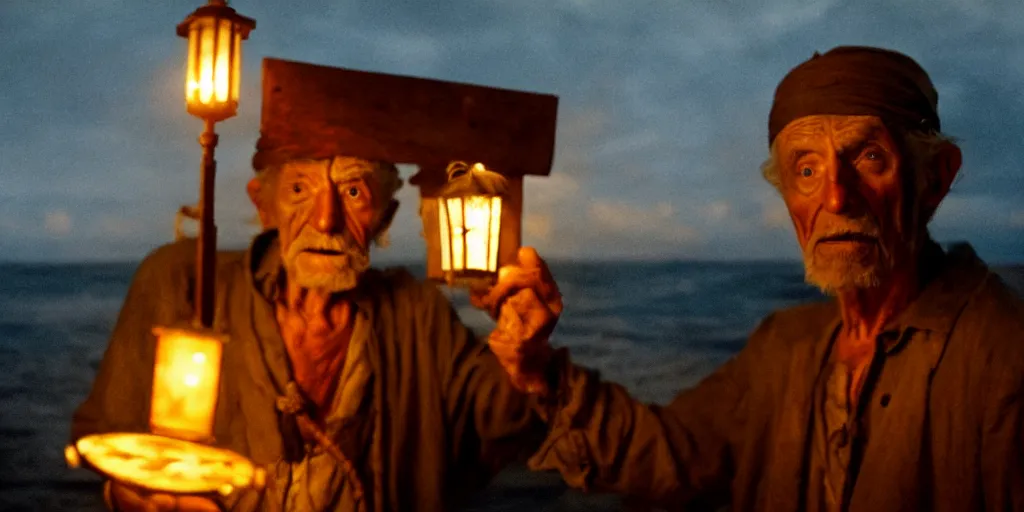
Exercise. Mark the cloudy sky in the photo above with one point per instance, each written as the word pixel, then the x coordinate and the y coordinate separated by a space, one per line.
pixel 662 115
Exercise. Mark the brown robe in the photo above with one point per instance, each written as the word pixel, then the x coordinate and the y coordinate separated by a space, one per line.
pixel 441 417
pixel 950 436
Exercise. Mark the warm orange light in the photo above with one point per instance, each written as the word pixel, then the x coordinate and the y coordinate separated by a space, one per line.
pixel 469 220
pixel 470 229
pixel 212 81
pixel 185 383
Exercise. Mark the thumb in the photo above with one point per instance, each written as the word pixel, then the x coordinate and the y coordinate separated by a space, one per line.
pixel 528 258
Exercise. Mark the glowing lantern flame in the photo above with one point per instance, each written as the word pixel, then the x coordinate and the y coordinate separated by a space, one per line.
pixel 186 382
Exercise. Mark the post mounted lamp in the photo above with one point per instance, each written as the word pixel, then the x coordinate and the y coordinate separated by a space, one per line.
pixel 176 456
pixel 186 375
pixel 470 210
pixel 213 79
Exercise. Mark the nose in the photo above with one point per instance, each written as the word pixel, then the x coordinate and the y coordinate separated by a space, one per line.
pixel 327 212
pixel 840 189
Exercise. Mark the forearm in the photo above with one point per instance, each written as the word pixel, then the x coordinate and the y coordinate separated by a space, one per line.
pixel 601 438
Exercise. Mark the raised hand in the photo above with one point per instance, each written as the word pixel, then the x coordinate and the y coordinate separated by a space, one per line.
pixel 526 303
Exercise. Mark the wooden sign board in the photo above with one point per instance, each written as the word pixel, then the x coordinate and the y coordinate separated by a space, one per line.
pixel 317 111
pixel 313 111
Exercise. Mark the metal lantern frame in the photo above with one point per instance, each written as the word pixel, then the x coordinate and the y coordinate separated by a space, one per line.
pixel 213 77
pixel 186 381
pixel 473 200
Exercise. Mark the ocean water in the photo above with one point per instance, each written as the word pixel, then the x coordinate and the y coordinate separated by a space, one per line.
pixel 654 327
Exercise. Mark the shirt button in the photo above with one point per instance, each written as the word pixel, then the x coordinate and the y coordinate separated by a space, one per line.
pixel 885 399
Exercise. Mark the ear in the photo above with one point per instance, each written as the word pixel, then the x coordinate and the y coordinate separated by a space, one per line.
pixel 386 218
pixel 257 195
pixel 947 165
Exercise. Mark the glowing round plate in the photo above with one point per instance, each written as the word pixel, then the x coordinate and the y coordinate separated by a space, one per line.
pixel 165 464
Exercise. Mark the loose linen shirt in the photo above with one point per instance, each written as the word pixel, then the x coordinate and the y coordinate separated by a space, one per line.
pixel 425 413
pixel 945 421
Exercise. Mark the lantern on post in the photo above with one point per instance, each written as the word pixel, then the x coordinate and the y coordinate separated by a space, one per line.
pixel 212 83
pixel 469 209
pixel 176 456
pixel 213 78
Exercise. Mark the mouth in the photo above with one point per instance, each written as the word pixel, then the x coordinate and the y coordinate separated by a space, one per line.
pixel 860 238
pixel 323 252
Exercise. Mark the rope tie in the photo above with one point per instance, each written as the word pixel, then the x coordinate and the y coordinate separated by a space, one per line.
pixel 294 404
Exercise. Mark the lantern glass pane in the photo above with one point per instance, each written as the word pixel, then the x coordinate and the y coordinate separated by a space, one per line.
pixel 191 74
pixel 495 234
pixel 185 383
pixel 207 40
pixel 477 232
pixel 236 67
pixel 222 61
pixel 457 229
pixel 445 240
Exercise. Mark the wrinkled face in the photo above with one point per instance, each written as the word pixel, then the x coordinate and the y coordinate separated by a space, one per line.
pixel 841 178
pixel 325 212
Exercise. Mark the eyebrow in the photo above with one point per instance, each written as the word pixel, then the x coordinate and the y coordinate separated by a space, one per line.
pixel 349 172
pixel 855 137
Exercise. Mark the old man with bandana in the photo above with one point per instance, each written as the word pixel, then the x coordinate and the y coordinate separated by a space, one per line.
pixel 357 389
pixel 904 391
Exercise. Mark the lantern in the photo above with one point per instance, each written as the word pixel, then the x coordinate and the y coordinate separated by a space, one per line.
pixel 177 456
pixel 213 79
pixel 186 377
pixel 470 210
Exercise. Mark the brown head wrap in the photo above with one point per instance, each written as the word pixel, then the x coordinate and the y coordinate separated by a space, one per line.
pixel 856 80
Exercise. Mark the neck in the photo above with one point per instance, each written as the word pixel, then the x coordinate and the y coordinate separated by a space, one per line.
pixel 866 311
pixel 316 327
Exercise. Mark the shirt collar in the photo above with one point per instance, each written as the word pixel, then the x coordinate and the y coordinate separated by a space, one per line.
pixel 264 264
pixel 950 279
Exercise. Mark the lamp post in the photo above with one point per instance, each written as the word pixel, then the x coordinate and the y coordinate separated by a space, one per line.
pixel 212 84
pixel 177 457
pixel 186 372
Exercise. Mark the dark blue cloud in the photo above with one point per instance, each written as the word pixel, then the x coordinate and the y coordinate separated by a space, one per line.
pixel 662 115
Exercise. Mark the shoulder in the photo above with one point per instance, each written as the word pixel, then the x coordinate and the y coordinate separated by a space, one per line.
pixel 992 321
pixel 404 291
pixel 175 262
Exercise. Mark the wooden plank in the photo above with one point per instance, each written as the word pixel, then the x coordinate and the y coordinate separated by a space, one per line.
pixel 313 111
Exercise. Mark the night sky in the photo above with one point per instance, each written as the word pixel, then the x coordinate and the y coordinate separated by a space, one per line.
pixel 662 116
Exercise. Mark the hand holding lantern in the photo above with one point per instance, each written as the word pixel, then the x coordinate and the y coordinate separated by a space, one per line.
pixel 519 293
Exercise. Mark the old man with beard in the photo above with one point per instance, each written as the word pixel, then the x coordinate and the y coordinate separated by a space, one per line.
pixel 904 391
pixel 358 389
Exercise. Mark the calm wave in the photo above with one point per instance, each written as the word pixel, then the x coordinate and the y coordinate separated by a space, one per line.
pixel 654 327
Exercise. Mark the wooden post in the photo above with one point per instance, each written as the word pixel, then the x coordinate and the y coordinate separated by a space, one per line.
pixel 206 248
